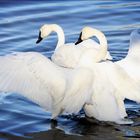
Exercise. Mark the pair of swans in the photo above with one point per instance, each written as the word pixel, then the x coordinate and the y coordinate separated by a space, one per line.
pixel 74 51
pixel 61 47
pixel 112 80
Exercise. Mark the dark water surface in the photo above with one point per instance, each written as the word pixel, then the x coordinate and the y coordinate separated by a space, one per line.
pixel 19 25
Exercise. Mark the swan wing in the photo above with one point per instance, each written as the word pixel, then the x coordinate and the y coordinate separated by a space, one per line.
pixel 79 90
pixel 105 106
pixel 134 50
pixel 125 86
pixel 28 74
pixel 131 63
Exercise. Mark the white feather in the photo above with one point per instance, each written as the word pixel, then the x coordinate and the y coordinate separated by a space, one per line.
pixel 131 64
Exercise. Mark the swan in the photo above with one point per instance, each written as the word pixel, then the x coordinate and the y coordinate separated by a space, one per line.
pixel 111 87
pixel 37 78
pixel 109 90
pixel 122 76
pixel 76 50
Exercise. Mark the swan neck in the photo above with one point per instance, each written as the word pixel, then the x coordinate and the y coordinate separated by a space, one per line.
pixel 103 43
pixel 60 34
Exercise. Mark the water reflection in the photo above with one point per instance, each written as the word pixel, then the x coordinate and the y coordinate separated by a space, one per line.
pixel 83 130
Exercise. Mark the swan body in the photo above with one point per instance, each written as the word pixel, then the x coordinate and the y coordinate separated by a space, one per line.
pixel 73 56
pixel 54 88
pixel 67 56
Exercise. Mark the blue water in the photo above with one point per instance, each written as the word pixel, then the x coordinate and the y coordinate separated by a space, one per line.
pixel 19 26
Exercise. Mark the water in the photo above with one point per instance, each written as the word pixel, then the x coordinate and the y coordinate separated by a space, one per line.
pixel 19 25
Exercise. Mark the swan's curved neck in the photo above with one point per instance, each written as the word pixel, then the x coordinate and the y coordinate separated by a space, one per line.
pixel 103 43
pixel 60 35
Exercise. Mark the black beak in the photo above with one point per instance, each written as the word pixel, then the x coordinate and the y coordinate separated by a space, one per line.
pixel 79 39
pixel 39 38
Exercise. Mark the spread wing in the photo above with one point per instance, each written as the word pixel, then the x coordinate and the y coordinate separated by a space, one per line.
pixel 131 64
pixel 30 74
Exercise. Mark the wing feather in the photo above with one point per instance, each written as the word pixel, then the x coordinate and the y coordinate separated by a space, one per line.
pixel 24 73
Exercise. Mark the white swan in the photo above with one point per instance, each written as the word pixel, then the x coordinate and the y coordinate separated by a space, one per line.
pixel 131 63
pixel 75 50
pixel 52 87
pixel 122 76
pixel 109 88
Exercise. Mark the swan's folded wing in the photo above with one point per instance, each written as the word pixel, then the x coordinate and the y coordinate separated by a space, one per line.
pixel 25 73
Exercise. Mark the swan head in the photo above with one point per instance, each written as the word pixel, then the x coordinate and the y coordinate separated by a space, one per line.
pixel 86 33
pixel 45 31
